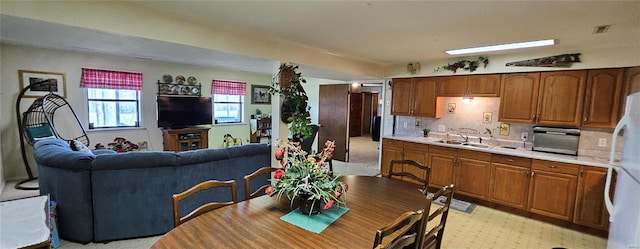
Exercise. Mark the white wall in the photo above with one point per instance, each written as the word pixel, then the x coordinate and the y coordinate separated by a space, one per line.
pixel 16 58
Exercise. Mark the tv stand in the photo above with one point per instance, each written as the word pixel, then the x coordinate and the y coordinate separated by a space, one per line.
pixel 185 139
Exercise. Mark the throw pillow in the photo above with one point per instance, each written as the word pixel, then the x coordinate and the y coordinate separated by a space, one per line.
pixel 79 146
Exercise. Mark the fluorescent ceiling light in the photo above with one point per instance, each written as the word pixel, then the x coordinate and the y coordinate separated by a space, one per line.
pixel 529 44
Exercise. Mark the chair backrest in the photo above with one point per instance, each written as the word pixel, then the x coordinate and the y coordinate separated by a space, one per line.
pixel 247 182
pixel 433 237
pixel 177 220
pixel 396 169
pixel 409 224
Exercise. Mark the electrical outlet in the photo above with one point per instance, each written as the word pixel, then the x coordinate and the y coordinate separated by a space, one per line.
pixel 602 142
pixel 441 128
pixel 524 136
pixel 405 124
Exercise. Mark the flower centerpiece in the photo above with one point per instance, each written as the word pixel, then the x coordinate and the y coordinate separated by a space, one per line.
pixel 306 178
pixel 119 145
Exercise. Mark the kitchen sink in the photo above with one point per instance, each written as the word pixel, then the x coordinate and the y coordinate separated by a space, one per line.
pixel 450 142
pixel 476 145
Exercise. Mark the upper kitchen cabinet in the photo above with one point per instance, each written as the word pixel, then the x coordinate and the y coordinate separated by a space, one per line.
pixel 602 98
pixel 631 84
pixel 401 95
pixel 415 97
pixel 487 85
pixel 632 80
pixel 452 86
pixel 561 97
pixel 547 98
pixel 519 97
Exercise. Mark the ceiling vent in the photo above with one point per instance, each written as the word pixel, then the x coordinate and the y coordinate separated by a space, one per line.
pixel 601 29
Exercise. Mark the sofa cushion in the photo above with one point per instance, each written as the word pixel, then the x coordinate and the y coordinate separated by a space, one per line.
pixel 202 156
pixel 79 146
pixel 135 159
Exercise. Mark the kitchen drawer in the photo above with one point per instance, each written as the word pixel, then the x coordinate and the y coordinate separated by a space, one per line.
pixel 443 150
pixel 392 142
pixel 511 160
pixel 557 167
pixel 416 146
pixel 472 154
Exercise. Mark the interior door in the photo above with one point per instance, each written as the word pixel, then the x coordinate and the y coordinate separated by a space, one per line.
pixel 333 118
pixel 355 115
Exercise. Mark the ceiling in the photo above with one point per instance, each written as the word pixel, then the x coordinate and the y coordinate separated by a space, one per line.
pixel 383 32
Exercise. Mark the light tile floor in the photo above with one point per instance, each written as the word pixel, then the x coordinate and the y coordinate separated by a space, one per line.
pixel 490 228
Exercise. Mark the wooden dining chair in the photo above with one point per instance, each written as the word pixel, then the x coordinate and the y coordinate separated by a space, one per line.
pixel 396 169
pixel 177 220
pixel 433 236
pixel 247 182
pixel 408 224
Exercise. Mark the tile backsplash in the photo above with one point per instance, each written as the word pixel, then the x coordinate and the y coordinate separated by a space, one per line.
pixel 473 115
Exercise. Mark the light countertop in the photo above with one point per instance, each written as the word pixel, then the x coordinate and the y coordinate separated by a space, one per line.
pixel 520 151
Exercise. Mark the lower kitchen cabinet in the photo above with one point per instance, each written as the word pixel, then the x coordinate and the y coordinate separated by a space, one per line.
pixel 442 161
pixel 590 209
pixel 474 169
pixel 553 189
pixel 400 150
pixel 509 180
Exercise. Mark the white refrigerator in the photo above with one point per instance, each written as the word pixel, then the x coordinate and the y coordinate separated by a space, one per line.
pixel 624 210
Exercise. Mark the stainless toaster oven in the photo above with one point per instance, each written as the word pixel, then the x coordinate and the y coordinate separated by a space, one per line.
pixel 556 140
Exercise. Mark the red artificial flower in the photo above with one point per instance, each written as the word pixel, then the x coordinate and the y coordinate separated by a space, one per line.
pixel 339 193
pixel 328 205
pixel 346 186
pixel 278 174
pixel 269 190
pixel 279 154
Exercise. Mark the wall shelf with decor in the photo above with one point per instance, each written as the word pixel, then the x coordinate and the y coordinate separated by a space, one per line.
pixel 179 89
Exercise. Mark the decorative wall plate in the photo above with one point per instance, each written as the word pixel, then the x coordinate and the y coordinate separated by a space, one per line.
pixel 180 79
pixel 192 80
pixel 195 90
pixel 167 78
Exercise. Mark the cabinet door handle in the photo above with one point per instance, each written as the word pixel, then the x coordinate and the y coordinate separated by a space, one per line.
pixel 510 160
pixel 533 173
pixel 552 166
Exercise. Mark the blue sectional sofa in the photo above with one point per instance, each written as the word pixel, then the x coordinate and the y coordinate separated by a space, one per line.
pixel 110 196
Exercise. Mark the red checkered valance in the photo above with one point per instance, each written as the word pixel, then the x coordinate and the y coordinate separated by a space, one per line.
pixel 109 79
pixel 229 87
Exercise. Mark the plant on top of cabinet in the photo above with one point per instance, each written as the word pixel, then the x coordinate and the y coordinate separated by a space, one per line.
pixel 470 65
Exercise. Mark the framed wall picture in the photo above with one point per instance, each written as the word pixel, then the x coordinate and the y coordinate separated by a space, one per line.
pixel 42 83
pixel 260 95
pixel 451 108
pixel 487 117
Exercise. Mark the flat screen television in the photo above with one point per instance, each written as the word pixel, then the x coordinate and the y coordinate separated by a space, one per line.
pixel 181 112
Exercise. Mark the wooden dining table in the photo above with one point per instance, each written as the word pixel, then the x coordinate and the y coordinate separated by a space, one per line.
pixel 373 202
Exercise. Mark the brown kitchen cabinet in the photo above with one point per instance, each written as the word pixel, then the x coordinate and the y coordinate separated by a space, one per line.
pixel 473 174
pixel 519 97
pixel 631 84
pixel 590 209
pixel 415 97
pixel 401 150
pixel 482 85
pixel 561 98
pixel 442 161
pixel 509 180
pixel 185 139
pixel 602 98
pixel 552 191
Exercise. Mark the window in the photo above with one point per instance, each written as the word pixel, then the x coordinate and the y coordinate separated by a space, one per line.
pixel 110 108
pixel 113 98
pixel 228 101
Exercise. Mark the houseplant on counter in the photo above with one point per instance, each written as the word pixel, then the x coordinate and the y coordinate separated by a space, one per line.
pixel 306 178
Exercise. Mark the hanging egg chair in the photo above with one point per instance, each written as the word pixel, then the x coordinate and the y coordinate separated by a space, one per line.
pixel 40 121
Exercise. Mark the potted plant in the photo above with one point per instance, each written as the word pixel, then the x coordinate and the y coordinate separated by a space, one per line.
pixel 294 109
pixel 425 132
pixel 306 178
